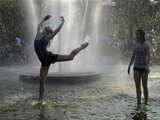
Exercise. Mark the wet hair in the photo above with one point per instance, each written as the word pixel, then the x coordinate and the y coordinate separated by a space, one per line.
pixel 142 34
pixel 48 29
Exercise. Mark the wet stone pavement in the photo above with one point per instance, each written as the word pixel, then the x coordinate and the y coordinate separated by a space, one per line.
pixel 111 97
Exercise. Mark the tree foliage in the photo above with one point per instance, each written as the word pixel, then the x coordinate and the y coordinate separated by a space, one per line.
pixel 129 15
pixel 12 17
pixel 12 24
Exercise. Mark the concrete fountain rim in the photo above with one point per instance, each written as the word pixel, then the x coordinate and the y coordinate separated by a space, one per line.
pixel 61 77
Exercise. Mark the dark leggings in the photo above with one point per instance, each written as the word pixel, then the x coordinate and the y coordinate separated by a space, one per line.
pixel 141 75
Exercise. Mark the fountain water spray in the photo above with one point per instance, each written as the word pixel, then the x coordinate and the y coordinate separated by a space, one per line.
pixel 77 14
pixel 32 22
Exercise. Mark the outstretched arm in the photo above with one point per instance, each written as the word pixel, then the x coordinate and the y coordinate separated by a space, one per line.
pixel 41 23
pixel 59 27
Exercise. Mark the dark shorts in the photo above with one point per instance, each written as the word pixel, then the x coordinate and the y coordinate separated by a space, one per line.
pixel 48 58
pixel 141 70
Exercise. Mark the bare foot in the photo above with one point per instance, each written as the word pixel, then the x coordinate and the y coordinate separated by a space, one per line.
pixel 41 102
pixel 84 45
pixel 146 103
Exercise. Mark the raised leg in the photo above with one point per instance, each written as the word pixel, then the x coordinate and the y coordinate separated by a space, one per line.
pixel 62 58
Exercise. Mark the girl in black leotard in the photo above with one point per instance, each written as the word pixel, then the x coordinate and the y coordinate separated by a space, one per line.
pixel 46 57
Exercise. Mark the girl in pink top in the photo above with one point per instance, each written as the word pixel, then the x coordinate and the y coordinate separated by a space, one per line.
pixel 141 59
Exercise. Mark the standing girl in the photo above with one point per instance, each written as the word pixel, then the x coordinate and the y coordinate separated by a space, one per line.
pixel 141 59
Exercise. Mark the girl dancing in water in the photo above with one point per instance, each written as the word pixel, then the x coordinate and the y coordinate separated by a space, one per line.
pixel 46 57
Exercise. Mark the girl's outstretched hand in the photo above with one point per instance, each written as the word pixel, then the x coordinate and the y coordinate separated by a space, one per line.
pixel 62 18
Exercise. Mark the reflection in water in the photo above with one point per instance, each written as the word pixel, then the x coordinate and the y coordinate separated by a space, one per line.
pixel 42 115
pixel 141 115
pixel 138 114
pixel 108 98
